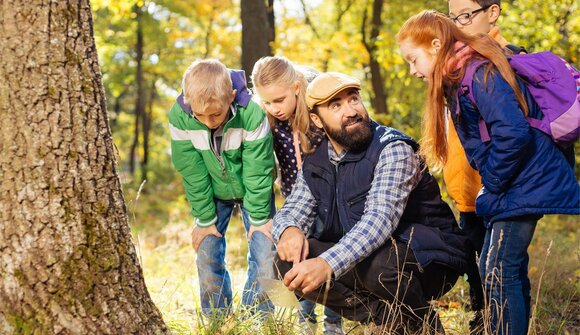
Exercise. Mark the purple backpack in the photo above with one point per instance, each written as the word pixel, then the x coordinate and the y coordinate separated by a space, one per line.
pixel 555 86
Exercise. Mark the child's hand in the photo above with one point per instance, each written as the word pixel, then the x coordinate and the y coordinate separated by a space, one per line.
pixel 199 233
pixel 265 229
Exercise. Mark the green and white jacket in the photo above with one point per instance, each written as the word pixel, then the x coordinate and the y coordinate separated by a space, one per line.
pixel 243 171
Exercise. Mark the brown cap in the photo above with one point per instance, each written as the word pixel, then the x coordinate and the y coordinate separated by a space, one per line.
pixel 327 85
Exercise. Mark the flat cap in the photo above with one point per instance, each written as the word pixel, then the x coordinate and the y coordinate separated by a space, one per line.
pixel 327 85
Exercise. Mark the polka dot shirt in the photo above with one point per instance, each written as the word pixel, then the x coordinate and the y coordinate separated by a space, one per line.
pixel 286 153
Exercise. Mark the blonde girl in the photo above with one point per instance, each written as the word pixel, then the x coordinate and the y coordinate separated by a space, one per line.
pixel 281 87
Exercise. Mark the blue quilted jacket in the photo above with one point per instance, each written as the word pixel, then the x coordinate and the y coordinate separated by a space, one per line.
pixel 523 171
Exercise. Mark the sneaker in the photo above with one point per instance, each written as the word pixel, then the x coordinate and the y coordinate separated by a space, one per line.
pixel 308 328
pixel 332 329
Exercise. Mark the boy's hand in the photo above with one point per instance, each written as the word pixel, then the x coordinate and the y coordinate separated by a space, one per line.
pixel 199 233
pixel 292 246
pixel 308 275
pixel 265 229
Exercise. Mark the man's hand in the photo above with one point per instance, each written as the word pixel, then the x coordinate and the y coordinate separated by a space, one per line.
pixel 308 275
pixel 265 229
pixel 199 233
pixel 292 246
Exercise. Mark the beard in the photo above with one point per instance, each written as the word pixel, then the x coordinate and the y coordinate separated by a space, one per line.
pixel 357 137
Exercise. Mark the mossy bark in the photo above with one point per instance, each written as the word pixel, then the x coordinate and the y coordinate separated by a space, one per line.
pixel 67 262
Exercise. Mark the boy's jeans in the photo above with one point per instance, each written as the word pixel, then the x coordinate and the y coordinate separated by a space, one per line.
pixel 504 265
pixel 214 279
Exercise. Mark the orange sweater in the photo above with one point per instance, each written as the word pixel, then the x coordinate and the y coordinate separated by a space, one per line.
pixel 462 181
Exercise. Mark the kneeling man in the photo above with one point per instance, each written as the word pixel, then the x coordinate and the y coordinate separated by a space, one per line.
pixel 366 218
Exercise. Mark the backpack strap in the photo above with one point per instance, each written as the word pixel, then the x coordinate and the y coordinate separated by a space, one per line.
pixel 483 132
pixel 466 88
pixel 466 85
pixel 243 95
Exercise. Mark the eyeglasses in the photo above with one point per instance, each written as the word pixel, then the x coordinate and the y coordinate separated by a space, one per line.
pixel 466 18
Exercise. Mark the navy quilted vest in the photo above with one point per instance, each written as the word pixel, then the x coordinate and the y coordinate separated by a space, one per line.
pixel 341 192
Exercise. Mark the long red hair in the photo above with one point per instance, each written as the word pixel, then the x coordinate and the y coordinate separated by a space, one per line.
pixel 421 29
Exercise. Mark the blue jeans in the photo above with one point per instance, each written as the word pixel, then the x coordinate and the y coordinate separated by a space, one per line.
pixel 504 265
pixel 214 279
pixel 309 314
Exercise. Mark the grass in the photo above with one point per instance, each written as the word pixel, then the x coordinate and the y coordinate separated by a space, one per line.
pixel 170 273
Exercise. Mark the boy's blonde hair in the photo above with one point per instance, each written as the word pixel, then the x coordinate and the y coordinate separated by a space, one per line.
pixel 279 70
pixel 207 83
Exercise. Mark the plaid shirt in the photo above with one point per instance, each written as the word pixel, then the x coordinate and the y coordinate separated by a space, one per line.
pixel 397 173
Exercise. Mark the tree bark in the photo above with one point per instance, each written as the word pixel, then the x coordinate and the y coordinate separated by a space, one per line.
pixel 67 264
pixel 379 100
pixel 256 33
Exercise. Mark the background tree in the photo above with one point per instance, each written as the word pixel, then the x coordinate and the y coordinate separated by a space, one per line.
pixel 257 32
pixel 68 263
pixel 140 116
pixel 369 40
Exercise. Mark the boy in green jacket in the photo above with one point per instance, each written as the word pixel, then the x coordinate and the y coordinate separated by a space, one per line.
pixel 222 146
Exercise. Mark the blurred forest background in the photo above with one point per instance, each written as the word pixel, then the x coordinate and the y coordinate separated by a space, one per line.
pixel 145 46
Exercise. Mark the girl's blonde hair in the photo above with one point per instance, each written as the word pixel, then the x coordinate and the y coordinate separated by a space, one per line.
pixel 421 29
pixel 280 71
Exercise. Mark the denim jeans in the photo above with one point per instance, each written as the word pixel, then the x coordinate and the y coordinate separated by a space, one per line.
pixel 504 265
pixel 214 278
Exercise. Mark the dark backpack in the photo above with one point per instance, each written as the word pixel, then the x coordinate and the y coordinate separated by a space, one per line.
pixel 553 83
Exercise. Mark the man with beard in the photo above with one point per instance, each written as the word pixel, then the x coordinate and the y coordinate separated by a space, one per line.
pixel 366 219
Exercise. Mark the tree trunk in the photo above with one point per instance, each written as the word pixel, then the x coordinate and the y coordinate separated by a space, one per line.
pixel 209 30
pixel 67 264
pixel 256 33
pixel 147 119
pixel 271 25
pixel 379 100
pixel 380 96
pixel 140 99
